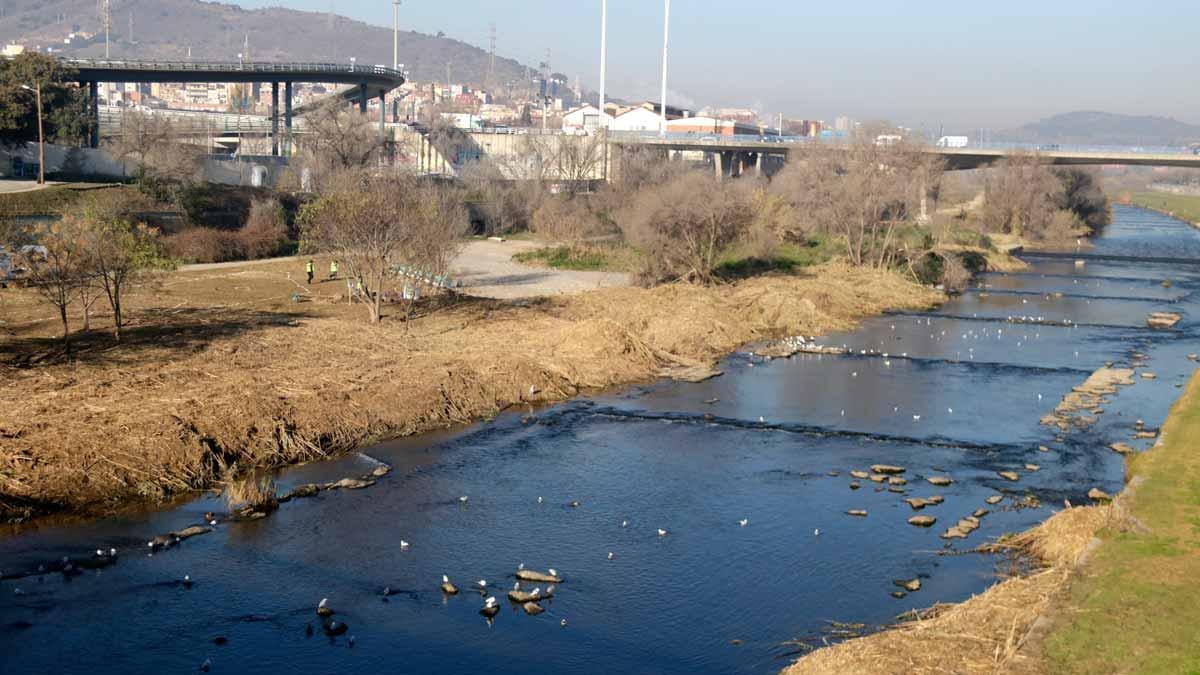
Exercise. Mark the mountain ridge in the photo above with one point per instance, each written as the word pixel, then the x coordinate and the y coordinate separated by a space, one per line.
pixel 171 29
pixel 1094 127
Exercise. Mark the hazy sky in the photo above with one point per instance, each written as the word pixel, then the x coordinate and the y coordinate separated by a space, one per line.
pixel 924 63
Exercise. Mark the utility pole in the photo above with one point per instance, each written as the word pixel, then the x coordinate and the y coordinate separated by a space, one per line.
pixel 396 34
pixel 603 58
pixel 41 133
pixel 662 130
pixel 106 19
pixel 491 75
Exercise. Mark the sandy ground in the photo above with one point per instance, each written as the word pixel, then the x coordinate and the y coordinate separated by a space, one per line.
pixel 229 368
pixel 487 270
pixel 9 186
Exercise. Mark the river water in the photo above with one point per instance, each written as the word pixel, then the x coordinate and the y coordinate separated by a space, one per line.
pixel 710 596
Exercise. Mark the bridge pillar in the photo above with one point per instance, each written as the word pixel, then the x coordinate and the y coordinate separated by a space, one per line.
pixel 274 119
pixel 287 118
pixel 718 164
pixel 362 100
pixel 382 113
pixel 759 160
pixel 94 104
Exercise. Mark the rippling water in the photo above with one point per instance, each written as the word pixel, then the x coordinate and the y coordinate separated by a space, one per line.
pixel 711 596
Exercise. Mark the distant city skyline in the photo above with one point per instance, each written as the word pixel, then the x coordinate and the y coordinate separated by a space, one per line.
pixel 934 65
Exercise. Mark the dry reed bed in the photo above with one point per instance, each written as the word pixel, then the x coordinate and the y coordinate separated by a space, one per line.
pixel 984 634
pixel 172 419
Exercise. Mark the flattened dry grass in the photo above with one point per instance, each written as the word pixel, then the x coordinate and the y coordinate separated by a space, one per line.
pixel 222 369
pixel 986 633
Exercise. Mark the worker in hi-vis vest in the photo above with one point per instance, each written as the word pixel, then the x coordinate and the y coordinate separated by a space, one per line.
pixel 333 269
pixel 309 269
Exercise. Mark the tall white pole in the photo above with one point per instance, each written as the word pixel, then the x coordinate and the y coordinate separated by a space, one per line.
pixel 603 58
pixel 395 33
pixel 662 130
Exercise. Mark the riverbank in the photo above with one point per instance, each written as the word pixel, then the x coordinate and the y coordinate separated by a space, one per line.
pixel 1183 207
pixel 1111 588
pixel 224 370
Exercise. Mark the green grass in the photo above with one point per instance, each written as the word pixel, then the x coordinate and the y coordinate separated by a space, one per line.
pixel 741 263
pixel 1135 607
pixel 579 258
pixel 1186 207
pixel 50 201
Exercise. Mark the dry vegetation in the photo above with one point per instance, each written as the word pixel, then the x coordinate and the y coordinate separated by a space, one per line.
pixel 987 633
pixel 223 369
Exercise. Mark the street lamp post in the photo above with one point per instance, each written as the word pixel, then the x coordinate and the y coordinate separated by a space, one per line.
pixel 37 90
pixel 603 57
pixel 396 34
pixel 662 130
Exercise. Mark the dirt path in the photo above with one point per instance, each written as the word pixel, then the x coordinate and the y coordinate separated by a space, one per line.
pixel 486 269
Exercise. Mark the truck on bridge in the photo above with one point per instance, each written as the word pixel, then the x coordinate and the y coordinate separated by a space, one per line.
pixel 953 142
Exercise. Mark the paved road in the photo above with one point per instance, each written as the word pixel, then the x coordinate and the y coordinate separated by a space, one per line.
pixel 487 269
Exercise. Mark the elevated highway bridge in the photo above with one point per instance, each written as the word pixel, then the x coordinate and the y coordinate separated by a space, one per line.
pixel 362 82
pixel 734 151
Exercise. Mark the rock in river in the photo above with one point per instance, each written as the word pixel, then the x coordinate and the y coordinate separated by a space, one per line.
pixel 540 577
pixel 532 608
pixel 910 585
pixel 1009 475
pixel 922 521
pixel 349 484
pixel 1162 320
pixel 940 481
pixel 994 499
pixel 861 475
pixel 861 513
pixel 1122 448
pixel 887 468
pixel 1098 495
pixel 897 480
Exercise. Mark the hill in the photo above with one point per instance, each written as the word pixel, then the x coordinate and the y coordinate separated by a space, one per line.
pixel 167 29
pixel 1101 128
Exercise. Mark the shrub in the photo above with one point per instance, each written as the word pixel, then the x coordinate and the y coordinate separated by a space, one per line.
pixel 564 220
pixel 685 225
pixel 265 232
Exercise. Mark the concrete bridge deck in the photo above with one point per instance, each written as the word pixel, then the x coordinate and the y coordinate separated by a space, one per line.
pixel 956 158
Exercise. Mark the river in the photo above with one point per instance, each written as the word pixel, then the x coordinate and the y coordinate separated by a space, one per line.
pixel 960 394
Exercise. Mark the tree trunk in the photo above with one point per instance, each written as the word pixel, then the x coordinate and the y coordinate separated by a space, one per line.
pixel 62 313
pixel 116 308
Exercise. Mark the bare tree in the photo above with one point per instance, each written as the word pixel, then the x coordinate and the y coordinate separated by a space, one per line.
pixel 158 146
pixel 685 225
pixel 860 193
pixel 119 253
pixel 339 146
pixel 1020 196
pixel 578 159
pixel 387 223
pixel 57 267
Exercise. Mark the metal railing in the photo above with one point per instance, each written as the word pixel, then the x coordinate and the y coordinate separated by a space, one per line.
pixel 236 66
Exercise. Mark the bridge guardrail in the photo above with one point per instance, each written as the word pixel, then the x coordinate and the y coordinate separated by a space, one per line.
pixel 245 66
